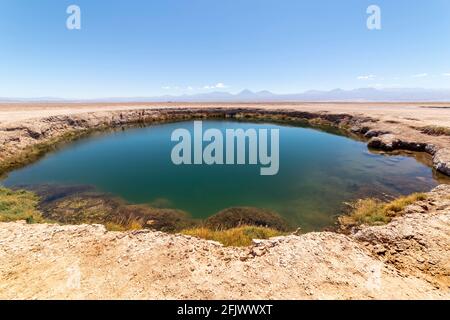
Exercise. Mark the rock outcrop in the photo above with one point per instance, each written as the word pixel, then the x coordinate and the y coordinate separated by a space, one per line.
pixel 441 160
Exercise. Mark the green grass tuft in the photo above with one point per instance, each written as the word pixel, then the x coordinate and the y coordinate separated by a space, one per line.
pixel 235 237
pixel 375 212
pixel 132 225
pixel 19 205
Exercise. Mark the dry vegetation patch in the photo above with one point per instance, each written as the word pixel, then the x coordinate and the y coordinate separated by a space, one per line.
pixel 376 212
pixel 19 205
pixel 236 237
pixel 435 130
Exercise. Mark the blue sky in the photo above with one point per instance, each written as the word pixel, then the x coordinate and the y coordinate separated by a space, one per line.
pixel 145 48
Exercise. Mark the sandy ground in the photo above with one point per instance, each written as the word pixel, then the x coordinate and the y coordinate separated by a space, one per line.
pixel 409 113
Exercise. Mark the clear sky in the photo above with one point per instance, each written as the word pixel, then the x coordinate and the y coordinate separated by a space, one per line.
pixel 144 48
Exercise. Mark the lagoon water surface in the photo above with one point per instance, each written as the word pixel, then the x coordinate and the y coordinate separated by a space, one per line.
pixel 318 172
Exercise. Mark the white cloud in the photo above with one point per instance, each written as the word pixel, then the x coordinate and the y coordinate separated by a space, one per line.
pixel 420 75
pixel 447 74
pixel 219 85
pixel 367 77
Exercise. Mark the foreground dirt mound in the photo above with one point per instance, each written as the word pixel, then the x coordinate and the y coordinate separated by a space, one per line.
pixel 419 242
pixel 409 258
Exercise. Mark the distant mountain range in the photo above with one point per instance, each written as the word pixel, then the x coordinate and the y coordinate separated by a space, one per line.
pixel 336 95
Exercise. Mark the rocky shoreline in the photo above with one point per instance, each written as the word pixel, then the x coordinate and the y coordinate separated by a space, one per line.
pixel 408 258
pixel 22 143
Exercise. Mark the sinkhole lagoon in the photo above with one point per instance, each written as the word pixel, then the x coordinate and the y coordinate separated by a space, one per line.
pixel 318 172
